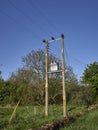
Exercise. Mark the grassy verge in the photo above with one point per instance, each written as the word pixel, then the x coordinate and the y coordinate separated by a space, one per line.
pixel 34 117
pixel 89 121
pixel 28 117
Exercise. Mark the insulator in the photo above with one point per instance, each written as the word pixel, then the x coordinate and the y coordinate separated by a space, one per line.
pixel 52 38
pixel 44 41
pixel 62 35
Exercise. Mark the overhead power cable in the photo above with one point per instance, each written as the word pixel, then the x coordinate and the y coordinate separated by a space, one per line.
pixel 81 63
pixel 43 16
pixel 67 57
pixel 49 23
pixel 19 10
pixel 14 20
pixel 31 20
pixel 28 17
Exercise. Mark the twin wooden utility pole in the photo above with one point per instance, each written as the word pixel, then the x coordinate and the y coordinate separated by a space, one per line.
pixel 63 76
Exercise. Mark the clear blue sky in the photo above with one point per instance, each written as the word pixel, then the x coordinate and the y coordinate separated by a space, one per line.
pixel 25 23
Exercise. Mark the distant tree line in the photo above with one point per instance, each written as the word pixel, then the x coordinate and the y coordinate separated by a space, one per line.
pixel 28 83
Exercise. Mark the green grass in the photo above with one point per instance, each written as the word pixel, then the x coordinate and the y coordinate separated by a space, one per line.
pixel 89 121
pixel 33 117
pixel 28 117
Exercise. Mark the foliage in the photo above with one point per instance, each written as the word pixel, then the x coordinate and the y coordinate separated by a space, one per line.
pixel 2 84
pixel 35 61
pixel 55 91
pixel 28 84
pixel 4 116
pixel 90 78
pixel 33 117
pixel 29 117
pixel 86 122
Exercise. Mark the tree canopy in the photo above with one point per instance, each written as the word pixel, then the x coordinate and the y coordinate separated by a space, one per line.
pixel 90 77
pixel 28 83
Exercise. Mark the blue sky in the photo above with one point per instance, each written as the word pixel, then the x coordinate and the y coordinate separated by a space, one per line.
pixel 25 23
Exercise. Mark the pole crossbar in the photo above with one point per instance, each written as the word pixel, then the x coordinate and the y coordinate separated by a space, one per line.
pixel 57 39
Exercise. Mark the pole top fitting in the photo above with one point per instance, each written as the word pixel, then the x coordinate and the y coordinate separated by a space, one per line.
pixel 62 36
pixel 52 38
pixel 44 41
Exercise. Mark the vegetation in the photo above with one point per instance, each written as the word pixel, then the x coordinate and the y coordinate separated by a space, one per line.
pixel 28 117
pixel 28 83
pixel 33 117
pixel 90 78
pixel 86 122
pixel 27 86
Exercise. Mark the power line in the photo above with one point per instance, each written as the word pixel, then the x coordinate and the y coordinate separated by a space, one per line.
pixel 18 23
pixel 19 10
pixel 81 63
pixel 48 21
pixel 43 16
pixel 67 57
pixel 28 17
pixel 14 20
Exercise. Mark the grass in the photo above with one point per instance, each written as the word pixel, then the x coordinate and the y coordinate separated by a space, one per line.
pixel 34 117
pixel 89 121
pixel 28 117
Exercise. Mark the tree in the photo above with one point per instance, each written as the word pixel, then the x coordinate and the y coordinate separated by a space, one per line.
pixel 0 74
pixel 29 80
pixel 24 75
pixel 25 80
pixel 90 78
pixel 35 61
pixel 55 90
pixel 72 86
pixel 2 92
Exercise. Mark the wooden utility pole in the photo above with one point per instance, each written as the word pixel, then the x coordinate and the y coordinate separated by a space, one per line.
pixel 46 85
pixel 63 79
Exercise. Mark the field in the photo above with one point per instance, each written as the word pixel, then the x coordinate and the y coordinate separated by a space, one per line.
pixel 88 121
pixel 33 117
